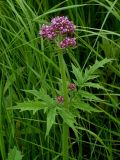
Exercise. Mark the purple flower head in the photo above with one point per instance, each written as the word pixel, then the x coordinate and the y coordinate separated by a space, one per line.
pixel 72 86
pixel 47 32
pixel 68 42
pixel 60 99
pixel 63 25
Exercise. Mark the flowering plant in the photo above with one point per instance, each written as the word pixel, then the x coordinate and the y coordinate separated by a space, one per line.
pixel 73 98
pixel 60 26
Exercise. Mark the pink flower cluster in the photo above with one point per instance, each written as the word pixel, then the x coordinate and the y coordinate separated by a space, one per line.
pixel 68 42
pixel 63 25
pixel 47 32
pixel 59 26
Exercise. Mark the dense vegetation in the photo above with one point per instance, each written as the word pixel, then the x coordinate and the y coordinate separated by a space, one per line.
pixel 34 72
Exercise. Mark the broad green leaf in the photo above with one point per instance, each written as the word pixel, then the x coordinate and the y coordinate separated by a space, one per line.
pixel 30 106
pixel 84 106
pixel 50 119
pixel 14 154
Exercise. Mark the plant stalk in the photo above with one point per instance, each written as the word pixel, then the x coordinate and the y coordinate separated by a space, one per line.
pixel 65 133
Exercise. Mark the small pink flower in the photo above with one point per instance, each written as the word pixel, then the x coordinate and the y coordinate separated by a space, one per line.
pixel 60 99
pixel 47 32
pixel 68 42
pixel 72 86
pixel 63 25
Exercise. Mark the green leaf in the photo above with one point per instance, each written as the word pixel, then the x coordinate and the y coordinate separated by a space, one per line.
pixel 69 119
pixel 14 154
pixel 91 77
pixel 78 74
pixel 41 95
pixel 89 96
pixel 90 73
pixel 50 119
pixel 94 85
pixel 84 106
pixel 92 69
pixel 30 106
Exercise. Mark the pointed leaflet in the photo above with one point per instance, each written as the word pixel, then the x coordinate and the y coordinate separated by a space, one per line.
pixel 94 67
pixel 77 73
pixel 42 95
pixel 69 119
pixel 94 85
pixel 94 76
pixel 30 106
pixel 50 119
pixel 83 106
pixel 89 96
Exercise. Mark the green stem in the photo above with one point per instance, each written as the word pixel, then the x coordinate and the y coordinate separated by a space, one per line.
pixel 65 134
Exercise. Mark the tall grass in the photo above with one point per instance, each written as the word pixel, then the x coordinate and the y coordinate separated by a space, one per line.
pixel 27 62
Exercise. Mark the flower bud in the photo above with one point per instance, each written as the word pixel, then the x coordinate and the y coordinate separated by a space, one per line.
pixel 60 99
pixel 72 86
